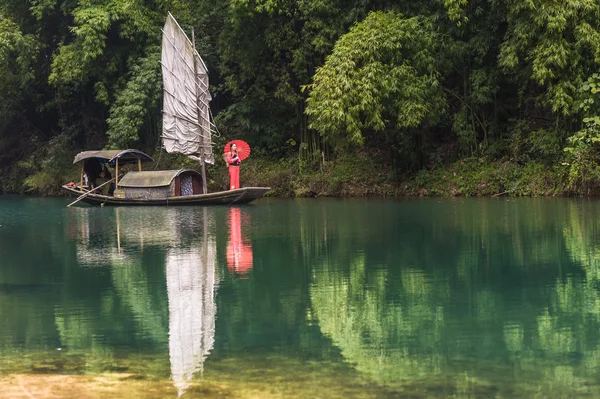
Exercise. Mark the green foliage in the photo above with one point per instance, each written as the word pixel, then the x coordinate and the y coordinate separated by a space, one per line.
pixel 496 80
pixel 48 168
pixel 73 61
pixel 480 177
pixel 267 50
pixel 142 93
pixel 583 158
pixel 17 51
pixel 95 24
pixel 351 174
pixel 456 10
pixel 591 108
pixel 380 73
pixel 549 44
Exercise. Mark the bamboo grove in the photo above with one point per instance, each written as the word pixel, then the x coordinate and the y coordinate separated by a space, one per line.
pixel 419 84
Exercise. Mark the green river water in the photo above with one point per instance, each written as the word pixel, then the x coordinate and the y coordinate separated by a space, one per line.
pixel 417 298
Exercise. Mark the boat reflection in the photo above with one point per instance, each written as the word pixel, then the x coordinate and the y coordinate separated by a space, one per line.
pixel 239 248
pixel 191 289
pixel 186 239
pixel 191 282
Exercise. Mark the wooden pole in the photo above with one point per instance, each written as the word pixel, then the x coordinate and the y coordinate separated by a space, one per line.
pixel 117 175
pixel 89 192
pixel 118 231
pixel 139 163
pixel 81 181
pixel 203 173
pixel 205 238
pixel 202 163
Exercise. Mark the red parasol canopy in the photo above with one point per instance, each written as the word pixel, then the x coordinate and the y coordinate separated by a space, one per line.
pixel 243 148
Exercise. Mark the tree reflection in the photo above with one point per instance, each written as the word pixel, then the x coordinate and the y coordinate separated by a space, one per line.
pixel 486 286
pixel 377 335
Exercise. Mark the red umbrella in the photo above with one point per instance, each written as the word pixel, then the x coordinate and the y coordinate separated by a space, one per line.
pixel 242 147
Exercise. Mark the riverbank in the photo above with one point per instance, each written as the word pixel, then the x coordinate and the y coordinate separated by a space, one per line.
pixel 364 177
pixel 355 175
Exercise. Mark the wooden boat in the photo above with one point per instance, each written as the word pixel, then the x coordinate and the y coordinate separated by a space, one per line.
pixel 239 196
pixel 163 187
pixel 187 129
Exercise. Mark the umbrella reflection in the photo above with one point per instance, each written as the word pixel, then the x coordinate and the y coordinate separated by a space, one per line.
pixel 239 249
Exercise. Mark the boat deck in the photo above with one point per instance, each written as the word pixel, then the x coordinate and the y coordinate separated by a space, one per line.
pixel 239 196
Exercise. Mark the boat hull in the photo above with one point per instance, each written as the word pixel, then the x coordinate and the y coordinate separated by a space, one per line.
pixel 240 196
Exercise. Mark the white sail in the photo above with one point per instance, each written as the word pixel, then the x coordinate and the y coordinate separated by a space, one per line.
pixel 186 113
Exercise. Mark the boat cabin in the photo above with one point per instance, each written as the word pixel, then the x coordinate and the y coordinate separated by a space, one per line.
pixel 93 163
pixel 160 184
pixel 140 185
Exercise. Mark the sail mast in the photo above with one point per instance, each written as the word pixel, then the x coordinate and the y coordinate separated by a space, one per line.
pixel 202 166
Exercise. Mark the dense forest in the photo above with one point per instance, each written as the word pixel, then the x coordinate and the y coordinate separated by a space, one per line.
pixel 437 97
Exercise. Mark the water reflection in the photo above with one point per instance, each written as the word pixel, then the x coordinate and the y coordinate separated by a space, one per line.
pixel 482 292
pixel 389 339
pixel 187 243
pixel 239 249
pixel 101 234
pixel 413 298
pixel 191 289
pixel 93 246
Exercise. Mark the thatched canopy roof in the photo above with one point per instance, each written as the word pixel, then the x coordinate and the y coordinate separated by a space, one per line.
pixel 110 156
pixel 158 178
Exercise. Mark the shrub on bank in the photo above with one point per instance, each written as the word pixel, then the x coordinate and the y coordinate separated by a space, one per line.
pixel 349 175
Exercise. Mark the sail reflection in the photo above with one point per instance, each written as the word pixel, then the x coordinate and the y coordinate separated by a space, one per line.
pixel 191 282
pixel 191 289
pixel 239 249
pixel 185 237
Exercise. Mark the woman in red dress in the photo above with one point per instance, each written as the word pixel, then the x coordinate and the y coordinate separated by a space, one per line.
pixel 234 162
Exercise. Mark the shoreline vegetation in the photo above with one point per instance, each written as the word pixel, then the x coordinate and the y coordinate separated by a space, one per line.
pixel 389 98
pixel 359 174
pixel 362 176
